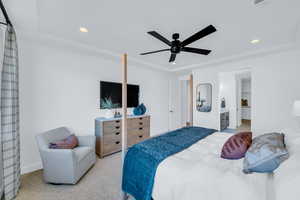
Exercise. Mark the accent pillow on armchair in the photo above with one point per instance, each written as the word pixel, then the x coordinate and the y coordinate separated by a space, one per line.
pixel 69 142
pixel 236 146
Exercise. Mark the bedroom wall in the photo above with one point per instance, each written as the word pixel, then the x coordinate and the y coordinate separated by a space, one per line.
pixel 60 87
pixel 275 86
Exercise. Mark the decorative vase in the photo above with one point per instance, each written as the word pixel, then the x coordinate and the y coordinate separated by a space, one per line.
pixel 140 110
pixel 137 111
pixel 223 103
pixel 143 109
pixel 109 114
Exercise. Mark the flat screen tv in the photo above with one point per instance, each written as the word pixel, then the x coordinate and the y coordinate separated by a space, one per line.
pixel 112 92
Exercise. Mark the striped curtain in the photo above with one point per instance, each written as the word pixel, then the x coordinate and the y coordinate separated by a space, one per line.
pixel 10 139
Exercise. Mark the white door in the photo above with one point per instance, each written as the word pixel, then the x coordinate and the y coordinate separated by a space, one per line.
pixel 174 102
pixel 184 102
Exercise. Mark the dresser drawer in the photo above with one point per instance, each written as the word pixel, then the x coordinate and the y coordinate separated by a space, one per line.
pixel 113 123
pixel 138 122
pixel 111 129
pixel 138 135
pixel 112 145
pixel 112 136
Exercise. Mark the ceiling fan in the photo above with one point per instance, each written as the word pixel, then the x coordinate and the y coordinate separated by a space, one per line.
pixel 176 46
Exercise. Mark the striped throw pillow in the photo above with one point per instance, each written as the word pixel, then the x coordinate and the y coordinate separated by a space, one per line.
pixel 236 146
pixel 68 143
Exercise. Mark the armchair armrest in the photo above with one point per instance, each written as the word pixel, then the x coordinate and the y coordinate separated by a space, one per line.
pixel 58 164
pixel 57 156
pixel 88 140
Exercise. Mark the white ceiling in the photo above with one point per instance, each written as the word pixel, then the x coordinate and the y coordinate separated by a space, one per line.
pixel 119 26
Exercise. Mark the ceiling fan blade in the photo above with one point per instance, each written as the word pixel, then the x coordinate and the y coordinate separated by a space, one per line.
pixel 160 37
pixel 204 32
pixel 195 50
pixel 154 51
pixel 172 57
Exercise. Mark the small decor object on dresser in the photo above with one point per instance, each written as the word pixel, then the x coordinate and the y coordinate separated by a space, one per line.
pixel 137 111
pixel 223 103
pixel 107 103
pixel 140 110
pixel 143 108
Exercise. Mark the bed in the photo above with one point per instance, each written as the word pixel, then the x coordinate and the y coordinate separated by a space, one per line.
pixel 198 172
pixel 287 176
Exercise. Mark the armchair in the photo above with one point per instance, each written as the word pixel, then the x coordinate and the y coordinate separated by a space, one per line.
pixel 65 166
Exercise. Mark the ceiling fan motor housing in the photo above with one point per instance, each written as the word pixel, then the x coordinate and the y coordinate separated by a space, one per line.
pixel 176 47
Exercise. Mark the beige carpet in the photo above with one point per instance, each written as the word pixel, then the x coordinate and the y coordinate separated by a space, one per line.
pixel 102 182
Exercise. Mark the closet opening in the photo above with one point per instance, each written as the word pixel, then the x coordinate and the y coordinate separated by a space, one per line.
pixel 235 101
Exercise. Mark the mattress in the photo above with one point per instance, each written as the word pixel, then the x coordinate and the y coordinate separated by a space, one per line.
pixel 199 173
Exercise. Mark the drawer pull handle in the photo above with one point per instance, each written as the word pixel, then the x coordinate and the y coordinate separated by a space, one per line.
pixel 141 118
pixel 141 123
pixel 117 127
pixel 117 133
pixel 118 121
pixel 140 136
pixel 117 142
pixel 141 128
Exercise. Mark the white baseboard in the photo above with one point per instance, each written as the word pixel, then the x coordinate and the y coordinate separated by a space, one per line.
pixel 31 168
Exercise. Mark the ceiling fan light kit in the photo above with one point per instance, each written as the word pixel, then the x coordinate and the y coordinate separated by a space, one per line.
pixel 258 1
pixel 176 46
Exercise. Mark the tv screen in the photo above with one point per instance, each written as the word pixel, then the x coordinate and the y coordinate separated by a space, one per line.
pixel 111 93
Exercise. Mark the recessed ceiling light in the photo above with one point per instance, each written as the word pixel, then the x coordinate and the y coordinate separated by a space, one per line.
pixel 255 41
pixel 83 30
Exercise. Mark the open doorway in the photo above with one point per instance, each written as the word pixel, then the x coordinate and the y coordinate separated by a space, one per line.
pixel 244 97
pixel 186 99
pixel 235 101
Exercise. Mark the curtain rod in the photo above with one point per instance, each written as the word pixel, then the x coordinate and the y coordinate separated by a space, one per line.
pixel 5 14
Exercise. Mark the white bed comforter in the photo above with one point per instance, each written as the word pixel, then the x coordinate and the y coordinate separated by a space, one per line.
pixel 287 176
pixel 198 173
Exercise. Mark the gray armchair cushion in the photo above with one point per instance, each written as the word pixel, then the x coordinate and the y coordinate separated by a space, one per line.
pixel 82 152
pixel 65 166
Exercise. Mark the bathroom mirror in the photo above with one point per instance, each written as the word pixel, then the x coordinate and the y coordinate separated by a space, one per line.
pixel 204 97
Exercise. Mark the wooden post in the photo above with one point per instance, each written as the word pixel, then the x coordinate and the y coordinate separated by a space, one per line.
pixel 191 110
pixel 124 113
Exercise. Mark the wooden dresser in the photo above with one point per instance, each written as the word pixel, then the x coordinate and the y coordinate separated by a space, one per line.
pixel 108 133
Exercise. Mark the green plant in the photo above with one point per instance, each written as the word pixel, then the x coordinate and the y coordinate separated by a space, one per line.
pixel 107 103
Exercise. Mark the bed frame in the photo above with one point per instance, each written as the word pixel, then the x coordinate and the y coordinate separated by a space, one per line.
pixel 124 114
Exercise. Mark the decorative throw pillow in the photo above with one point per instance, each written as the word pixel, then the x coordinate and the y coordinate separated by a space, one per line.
pixel 266 153
pixel 68 143
pixel 236 146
